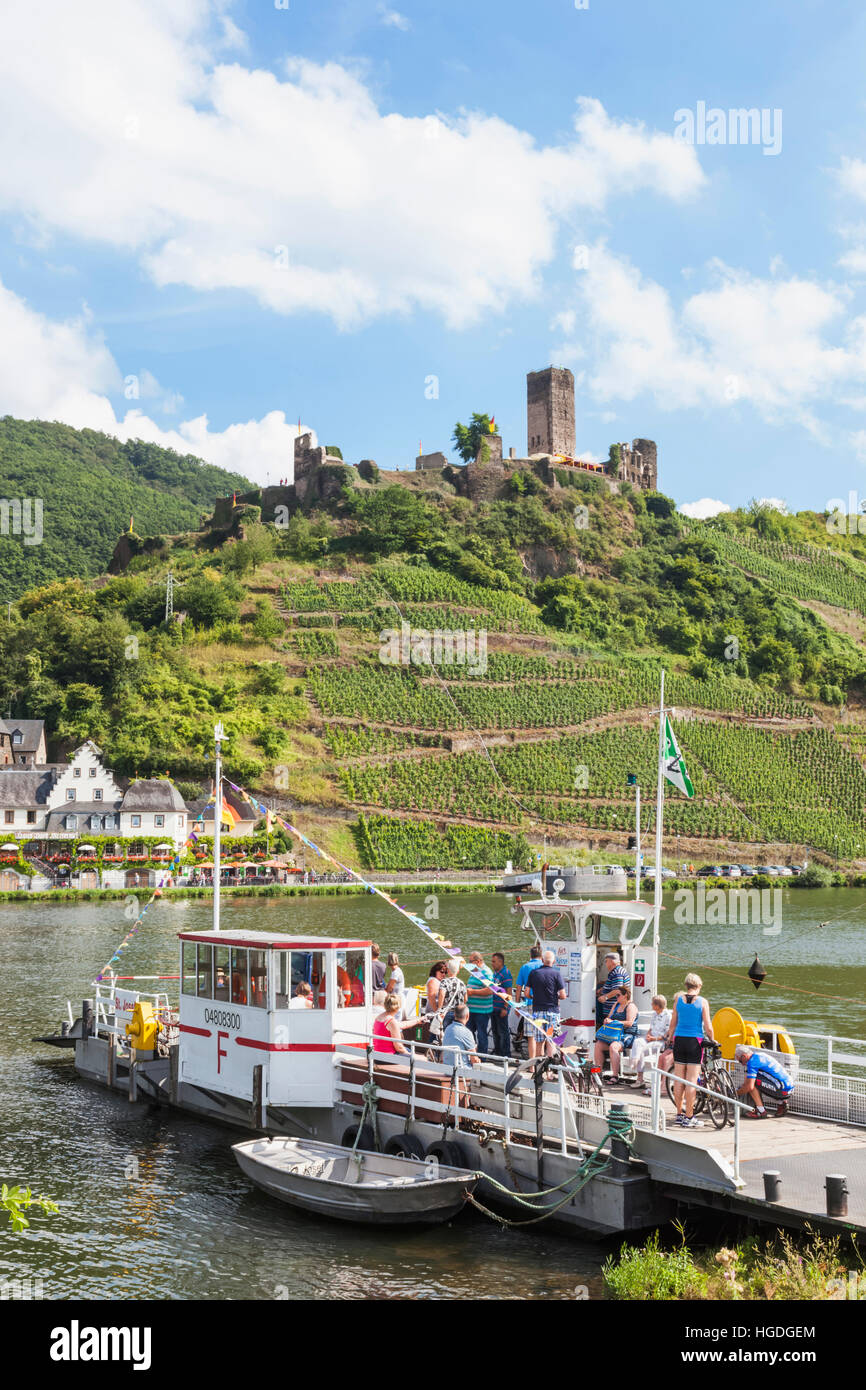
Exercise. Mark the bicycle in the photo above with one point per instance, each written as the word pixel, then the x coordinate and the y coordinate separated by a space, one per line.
pixel 714 1075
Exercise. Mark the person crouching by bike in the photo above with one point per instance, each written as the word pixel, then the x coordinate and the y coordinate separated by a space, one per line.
pixel 690 1024
pixel 763 1072
pixel 617 1034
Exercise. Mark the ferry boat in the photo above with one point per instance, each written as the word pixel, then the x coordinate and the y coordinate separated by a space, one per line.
pixel 236 1049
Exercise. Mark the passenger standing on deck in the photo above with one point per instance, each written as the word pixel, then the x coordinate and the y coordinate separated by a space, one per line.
pixel 480 999
pixel 432 1018
pixel 396 982
pixel 689 1024
pixel 499 1018
pixel 377 973
pixel 548 987
pixel 522 989
pixel 453 992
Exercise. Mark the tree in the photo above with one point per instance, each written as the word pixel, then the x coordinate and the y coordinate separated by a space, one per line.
pixel 468 438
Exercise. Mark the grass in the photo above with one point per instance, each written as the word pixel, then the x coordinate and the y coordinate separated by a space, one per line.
pixel 805 1268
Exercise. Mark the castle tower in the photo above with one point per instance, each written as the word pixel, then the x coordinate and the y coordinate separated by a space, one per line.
pixel 550 412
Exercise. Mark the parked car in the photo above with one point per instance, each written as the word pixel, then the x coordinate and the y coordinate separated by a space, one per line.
pixel 784 871
pixel 711 871
pixel 666 873
pixel 733 871
pixel 771 870
pixel 748 870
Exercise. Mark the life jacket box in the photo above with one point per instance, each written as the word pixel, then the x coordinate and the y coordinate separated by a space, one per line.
pixel 394 1076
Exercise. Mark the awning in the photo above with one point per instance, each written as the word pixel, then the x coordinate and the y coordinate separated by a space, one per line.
pixel 9 846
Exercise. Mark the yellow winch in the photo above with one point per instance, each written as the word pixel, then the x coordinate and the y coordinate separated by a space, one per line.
pixel 730 1029
pixel 144 1028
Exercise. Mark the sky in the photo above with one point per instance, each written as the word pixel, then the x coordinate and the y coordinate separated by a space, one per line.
pixel 219 221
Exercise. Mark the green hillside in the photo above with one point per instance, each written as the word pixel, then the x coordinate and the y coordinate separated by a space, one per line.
pixel 583 595
pixel 90 485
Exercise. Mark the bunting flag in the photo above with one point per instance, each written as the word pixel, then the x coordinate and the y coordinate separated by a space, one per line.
pixel 229 814
pixel 441 941
pixel 130 525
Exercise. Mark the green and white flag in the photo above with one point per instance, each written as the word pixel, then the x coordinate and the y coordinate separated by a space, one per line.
pixel 673 763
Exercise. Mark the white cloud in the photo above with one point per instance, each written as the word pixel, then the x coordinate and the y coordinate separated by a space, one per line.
pixel 151 144
pixel 64 371
pixel 703 508
pixel 776 504
pixel 851 176
pixel 393 19
pixel 781 345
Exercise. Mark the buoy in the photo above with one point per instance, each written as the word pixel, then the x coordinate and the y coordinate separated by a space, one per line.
pixel 757 973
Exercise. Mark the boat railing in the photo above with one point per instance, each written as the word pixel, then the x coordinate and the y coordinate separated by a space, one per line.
pixel 476 1097
pixel 106 1020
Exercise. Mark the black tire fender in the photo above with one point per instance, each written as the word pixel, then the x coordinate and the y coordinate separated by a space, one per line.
pixel 449 1152
pixel 366 1141
pixel 407 1146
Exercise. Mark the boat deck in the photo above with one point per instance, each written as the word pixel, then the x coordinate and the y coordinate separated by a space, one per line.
pixel 802 1150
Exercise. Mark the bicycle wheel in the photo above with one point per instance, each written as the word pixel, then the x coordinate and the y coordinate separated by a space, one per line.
pixel 669 1086
pixel 716 1102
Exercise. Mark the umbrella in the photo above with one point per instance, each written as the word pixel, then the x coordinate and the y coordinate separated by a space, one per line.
pixel 10 846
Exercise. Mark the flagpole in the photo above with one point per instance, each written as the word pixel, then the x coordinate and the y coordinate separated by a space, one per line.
pixel 219 735
pixel 660 796
pixel 637 865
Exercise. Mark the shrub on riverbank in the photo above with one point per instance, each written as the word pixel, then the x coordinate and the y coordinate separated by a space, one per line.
pixel 807 1269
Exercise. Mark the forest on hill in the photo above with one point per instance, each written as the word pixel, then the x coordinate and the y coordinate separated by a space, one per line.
pixel 582 594
pixel 89 486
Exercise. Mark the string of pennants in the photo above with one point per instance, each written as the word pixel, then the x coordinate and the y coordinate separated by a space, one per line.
pixel 442 942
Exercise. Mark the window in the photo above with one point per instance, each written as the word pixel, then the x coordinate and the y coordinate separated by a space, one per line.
pixel 240 977
pixel 221 973
pixel 70 793
pixel 204 971
pixel 258 980
pixel 295 966
pixel 76 772
pixel 70 823
pixel 188 967
pixel 91 772
pixel 136 822
pixel 159 821
pixel 97 794
pixel 9 817
pixel 17 738
pixel 350 979
pixel 22 760
pixel 31 817
pixel 95 823
pixel 180 821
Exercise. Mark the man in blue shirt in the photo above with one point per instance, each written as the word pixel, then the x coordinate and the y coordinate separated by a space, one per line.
pixel 617 976
pixel 499 1018
pixel 522 990
pixel 763 1072
pixel 459 1042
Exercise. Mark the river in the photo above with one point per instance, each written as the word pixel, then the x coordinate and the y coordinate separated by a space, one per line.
pixel 152 1205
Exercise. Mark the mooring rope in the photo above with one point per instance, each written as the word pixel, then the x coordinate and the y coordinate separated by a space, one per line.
pixel 619 1127
pixel 719 970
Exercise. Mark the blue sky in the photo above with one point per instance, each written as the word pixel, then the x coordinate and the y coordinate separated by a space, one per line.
pixel 218 219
